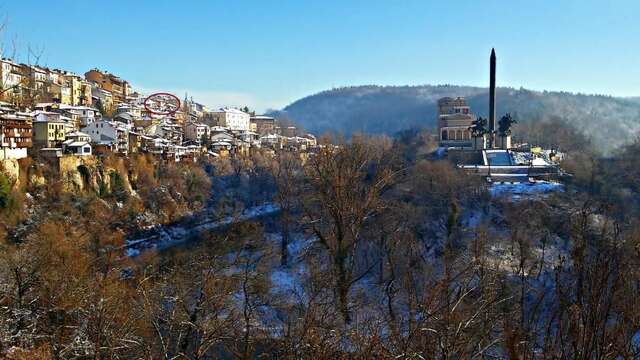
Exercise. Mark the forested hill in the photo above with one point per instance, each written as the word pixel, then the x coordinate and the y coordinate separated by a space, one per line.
pixel 609 121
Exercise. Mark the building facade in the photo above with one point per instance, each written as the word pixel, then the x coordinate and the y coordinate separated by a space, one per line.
pixel 232 119
pixel 15 136
pixel 263 125
pixel 111 133
pixel 118 87
pixel 11 80
pixel 454 120
pixel 80 90
pixel 196 131
pixel 49 131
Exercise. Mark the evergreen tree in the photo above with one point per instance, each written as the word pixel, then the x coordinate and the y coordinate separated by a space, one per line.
pixel 505 124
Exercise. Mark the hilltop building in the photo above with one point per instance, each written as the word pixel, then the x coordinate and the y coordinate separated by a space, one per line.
pixel 263 125
pixel 196 132
pixel 454 120
pixel 118 87
pixel 10 79
pixel 233 119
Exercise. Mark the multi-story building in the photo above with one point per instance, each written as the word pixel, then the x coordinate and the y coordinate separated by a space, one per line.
pixel 196 131
pixel 81 115
pixel 65 94
pixel 15 135
pixel 263 125
pixel 78 136
pixel 101 98
pixel 111 133
pixel 454 121
pixel 38 78
pixel 11 79
pixel 194 109
pixel 232 119
pixel 286 131
pixel 80 90
pixel 56 86
pixel 166 129
pixel 118 87
pixel 49 130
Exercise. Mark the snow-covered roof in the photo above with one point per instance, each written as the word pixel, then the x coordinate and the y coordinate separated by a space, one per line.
pixel 50 120
pixel 42 112
pixel 43 105
pixel 77 144
pixel 197 124
pixel 78 134
pixel 230 110
pixel 79 107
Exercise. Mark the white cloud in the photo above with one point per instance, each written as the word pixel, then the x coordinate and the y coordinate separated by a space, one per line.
pixel 217 99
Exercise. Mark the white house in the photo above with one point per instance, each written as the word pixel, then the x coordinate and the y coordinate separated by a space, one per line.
pixel 272 140
pixel 222 136
pixel 233 119
pixel 10 75
pixel 84 114
pixel 78 136
pixel 110 133
pixel 80 148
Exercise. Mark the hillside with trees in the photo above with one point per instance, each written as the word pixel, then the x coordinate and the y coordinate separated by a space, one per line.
pixel 608 121
pixel 379 250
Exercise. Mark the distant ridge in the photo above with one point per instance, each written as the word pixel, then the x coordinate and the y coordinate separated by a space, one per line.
pixel 609 121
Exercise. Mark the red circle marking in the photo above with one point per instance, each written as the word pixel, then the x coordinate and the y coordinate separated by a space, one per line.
pixel 146 105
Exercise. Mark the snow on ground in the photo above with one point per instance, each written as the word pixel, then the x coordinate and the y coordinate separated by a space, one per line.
pixel 527 158
pixel 473 218
pixel 288 281
pixel 171 235
pixel 519 190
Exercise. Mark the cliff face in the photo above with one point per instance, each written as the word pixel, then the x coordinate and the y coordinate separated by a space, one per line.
pixel 608 121
pixel 76 173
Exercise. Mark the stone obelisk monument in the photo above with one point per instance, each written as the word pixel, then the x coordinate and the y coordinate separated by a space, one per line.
pixel 492 100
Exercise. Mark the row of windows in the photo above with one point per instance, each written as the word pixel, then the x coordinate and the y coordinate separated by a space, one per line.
pixel 456 134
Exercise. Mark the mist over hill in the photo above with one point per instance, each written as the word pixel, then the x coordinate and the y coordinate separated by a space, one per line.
pixel 608 121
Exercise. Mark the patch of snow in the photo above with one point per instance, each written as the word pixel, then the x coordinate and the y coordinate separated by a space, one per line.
pixel 167 236
pixel 298 245
pixel 518 190
pixel 539 161
pixel 282 281
pixel 131 252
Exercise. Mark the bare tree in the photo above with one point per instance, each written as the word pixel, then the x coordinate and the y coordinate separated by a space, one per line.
pixel 286 171
pixel 343 192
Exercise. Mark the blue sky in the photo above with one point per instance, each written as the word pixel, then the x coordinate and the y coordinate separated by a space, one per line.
pixel 266 54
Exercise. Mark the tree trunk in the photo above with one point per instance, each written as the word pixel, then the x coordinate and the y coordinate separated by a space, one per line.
pixel 342 286
pixel 285 239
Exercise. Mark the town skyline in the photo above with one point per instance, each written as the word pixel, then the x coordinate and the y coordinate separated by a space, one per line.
pixel 268 48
